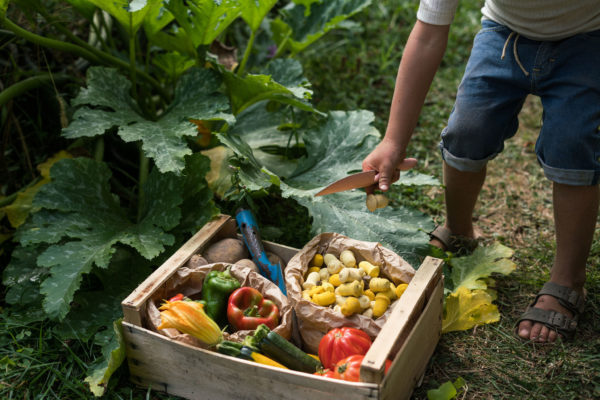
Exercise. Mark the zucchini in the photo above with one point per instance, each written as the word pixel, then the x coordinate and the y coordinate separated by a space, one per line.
pixel 279 349
pixel 248 353
pixel 230 348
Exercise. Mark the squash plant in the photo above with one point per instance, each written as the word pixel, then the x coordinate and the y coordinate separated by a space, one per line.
pixel 163 93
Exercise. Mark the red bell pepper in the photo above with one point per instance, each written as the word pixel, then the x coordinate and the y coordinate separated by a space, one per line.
pixel 247 309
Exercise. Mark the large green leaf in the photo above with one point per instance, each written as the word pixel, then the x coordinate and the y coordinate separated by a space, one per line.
pixel 298 31
pixel 251 89
pixel 307 4
pixel 84 7
pixel 173 64
pixel 156 19
pixel 97 308
pixel 3 8
pixel 196 97
pixel 254 176
pixel 198 206
pixel 23 277
pixel 83 222
pixel 254 11
pixel 265 130
pixel 130 14
pixel 336 148
pixel 471 271
pixel 204 20
pixel 400 229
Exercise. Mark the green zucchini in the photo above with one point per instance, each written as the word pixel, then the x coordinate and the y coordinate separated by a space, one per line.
pixel 279 349
pixel 230 348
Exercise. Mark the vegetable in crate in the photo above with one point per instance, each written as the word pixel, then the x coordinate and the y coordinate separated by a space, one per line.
pixel 217 287
pixel 348 369
pixel 246 352
pixel 247 309
pixel 279 349
pixel 340 343
pixel 188 316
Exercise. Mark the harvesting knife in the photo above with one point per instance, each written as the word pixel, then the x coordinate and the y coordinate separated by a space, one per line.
pixel 354 181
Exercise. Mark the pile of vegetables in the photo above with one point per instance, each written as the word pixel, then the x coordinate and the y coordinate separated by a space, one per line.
pixel 269 348
pixel 341 351
pixel 349 287
pixel 224 304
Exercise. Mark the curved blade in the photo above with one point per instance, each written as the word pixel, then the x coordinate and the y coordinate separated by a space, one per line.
pixel 354 181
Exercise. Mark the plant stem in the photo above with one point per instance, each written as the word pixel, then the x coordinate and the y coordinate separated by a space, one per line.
pixel 84 50
pixel 249 46
pixel 282 46
pixel 143 177
pixel 26 85
pixel 99 149
pixel 50 43
pixel 132 58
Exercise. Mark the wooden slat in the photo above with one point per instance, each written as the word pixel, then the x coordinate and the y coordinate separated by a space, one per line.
pixel 165 365
pixel 401 320
pixel 411 361
pixel 133 304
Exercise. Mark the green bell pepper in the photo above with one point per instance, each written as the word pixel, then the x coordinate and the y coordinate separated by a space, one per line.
pixel 217 287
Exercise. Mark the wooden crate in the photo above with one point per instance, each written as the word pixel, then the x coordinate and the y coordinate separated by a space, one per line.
pixel 409 337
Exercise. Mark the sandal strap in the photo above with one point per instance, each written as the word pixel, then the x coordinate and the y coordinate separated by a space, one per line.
pixel 552 319
pixel 567 297
pixel 458 244
pixel 442 234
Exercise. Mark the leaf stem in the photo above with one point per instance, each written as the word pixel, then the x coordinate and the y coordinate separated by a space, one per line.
pixel 84 50
pixel 247 52
pixel 99 149
pixel 143 177
pixel 27 84
pixel 50 43
pixel 132 58
pixel 283 45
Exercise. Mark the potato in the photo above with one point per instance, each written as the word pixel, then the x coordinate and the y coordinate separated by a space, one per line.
pixel 195 261
pixel 248 263
pixel 226 251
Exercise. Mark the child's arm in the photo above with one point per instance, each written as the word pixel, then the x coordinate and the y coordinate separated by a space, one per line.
pixel 422 55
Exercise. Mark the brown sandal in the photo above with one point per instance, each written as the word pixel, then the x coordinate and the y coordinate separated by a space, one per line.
pixel 457 244
pixel 559 322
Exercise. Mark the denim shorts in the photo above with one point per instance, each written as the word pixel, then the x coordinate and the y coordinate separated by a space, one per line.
pixel 502 70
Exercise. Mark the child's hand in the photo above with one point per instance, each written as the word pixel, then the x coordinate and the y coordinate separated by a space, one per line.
pixel 388 161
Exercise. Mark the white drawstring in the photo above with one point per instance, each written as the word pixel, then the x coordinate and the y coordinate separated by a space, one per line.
pixel 514 51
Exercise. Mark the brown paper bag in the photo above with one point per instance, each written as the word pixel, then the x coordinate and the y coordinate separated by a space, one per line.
pixel 188 281
pixel 315 321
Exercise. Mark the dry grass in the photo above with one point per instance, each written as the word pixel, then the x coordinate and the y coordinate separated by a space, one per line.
pixel 515 209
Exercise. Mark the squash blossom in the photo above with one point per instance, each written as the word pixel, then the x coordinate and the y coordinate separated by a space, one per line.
pixel 189 317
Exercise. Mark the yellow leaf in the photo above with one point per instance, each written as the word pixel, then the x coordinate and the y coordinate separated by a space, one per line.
pixel 219 176
pixel 466 308
pixel 44 167
pixel 18 211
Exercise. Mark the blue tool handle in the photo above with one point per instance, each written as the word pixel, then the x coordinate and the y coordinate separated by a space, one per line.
pixel 250 234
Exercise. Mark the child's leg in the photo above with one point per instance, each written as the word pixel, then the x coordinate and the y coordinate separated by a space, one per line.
pixel 461 192
pixel 575 213
pixel 566 79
